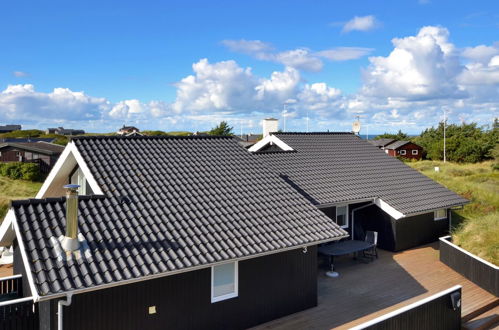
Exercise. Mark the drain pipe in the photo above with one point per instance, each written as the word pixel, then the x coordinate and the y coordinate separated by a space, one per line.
pixel 61 303
pixel 353 215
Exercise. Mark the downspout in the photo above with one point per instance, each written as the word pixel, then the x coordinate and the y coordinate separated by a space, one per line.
pixel 353 215
pixel 61 303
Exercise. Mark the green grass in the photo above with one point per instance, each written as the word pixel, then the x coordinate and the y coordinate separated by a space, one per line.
pixel 477 224
pixel 15 189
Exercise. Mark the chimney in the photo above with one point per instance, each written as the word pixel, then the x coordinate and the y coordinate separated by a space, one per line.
pixel 270 125
pixel 70 241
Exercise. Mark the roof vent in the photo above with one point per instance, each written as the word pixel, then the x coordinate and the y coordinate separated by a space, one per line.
pixel 70 241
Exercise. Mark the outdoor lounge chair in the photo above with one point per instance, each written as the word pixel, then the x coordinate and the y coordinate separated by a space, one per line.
pixel 372 237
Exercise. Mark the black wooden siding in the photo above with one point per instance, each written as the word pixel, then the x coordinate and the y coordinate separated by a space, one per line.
pixel 476 271
pixel 393 235
pixel 269 287
pixel 437 314
pixel 20 269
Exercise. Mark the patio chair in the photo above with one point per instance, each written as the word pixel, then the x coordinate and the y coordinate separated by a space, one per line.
pixel 372 237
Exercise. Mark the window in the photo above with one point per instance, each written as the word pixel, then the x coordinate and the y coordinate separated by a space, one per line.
pixel 415 151
pixel 18 154
pixel 79 179
pixel 402 152
pixel 224 281
pixel 440 214
pixel 342 216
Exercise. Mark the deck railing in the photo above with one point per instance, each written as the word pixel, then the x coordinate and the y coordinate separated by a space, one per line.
pixel 11 286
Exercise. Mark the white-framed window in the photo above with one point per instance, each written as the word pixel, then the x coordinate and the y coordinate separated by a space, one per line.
pixel 440 214
pixel 79 178
pixel 403 152
pixel 224 281
pixel 415 152
pixel 342 216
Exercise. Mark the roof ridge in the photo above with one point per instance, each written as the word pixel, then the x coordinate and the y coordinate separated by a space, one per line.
pixel 158 137
pixel 313 133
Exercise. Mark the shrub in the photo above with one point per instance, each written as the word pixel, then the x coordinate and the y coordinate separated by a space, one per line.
pixel 17 171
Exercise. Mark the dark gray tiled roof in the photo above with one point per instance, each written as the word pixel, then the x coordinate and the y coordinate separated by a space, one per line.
pixel 396 145
pixel 40 147
pixel 170 204
pixel 337 167
pixel 381 142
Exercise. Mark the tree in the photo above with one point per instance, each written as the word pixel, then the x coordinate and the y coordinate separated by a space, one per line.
pixel 399 136
pixel 465 143
pixel 221 129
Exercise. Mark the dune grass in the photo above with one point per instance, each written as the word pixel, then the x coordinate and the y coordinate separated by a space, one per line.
pixel 15 189
pixel 476 226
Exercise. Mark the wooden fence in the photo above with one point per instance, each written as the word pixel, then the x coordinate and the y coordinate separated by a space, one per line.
pixel 477 270
pixel 441 311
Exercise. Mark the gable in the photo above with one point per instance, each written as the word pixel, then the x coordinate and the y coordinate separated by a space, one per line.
pixel 62 172
pixel 271 143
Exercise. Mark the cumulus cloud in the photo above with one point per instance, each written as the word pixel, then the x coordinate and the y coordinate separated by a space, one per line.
pixel 225 86
pixel 360 23
pixel 421 66
pixel 299 58
pixel 23 102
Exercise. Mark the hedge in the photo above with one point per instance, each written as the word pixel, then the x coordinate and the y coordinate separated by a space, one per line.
pixel 17 170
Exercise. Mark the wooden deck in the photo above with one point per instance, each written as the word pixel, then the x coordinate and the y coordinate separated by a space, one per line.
pixel 6 270
pixel 365 291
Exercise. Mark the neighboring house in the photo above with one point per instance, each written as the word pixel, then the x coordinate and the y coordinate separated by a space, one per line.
pixel 361 187
pixel 405 149
pixel 128 130
pixel 43 153
pixel 247 140
pixel 64 131
pixel 381 143
pixel 9 128
pixel 174 232
pixel 28 139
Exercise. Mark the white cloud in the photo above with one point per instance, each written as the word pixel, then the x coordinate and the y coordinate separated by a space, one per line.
pixel 360 23
pixel 247 46
pixel 424 66
pixel 20 74
pixel 22 102
pixel 481 53
pixel 299 58
pixel 344 53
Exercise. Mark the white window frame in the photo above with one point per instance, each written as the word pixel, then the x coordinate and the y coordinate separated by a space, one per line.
pixel 415 152
pixel 236 283
pixel 403 152
pixel 346 215
pixel 436 217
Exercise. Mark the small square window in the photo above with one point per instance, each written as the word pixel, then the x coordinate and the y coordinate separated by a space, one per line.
pixel 402 152
pixel 440 214
pixel 415 151
pixel 342 216
pixel 224 281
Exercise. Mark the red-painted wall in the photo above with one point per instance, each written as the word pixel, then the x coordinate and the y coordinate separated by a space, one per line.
pixel 408 151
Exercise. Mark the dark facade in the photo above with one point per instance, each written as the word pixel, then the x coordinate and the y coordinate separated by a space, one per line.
pixel 393 235
pixel 269 287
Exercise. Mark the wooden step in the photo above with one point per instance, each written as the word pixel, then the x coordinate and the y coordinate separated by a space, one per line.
pixel 483 318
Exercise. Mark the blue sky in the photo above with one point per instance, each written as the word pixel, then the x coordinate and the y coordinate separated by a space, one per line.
pixel 186 65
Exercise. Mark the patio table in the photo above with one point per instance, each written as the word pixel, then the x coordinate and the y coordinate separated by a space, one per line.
pixel 342 248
